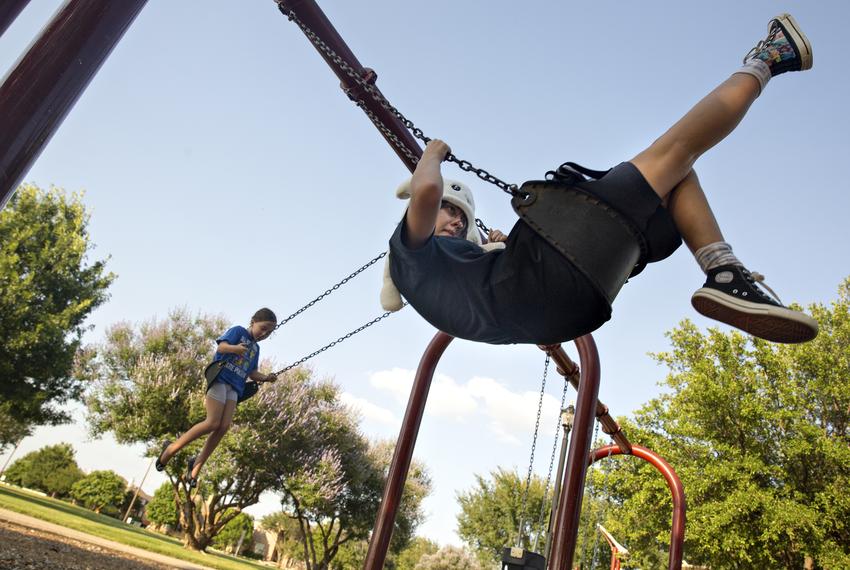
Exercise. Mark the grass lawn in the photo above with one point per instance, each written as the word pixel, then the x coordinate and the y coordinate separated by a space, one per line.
pixel 84 520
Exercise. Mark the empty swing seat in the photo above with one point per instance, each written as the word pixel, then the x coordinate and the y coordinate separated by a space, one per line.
pixel 519 559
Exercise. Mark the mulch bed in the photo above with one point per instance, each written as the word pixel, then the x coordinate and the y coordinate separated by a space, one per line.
pixel 29 549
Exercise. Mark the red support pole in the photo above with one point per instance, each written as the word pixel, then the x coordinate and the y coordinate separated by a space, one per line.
pixel 380 540
pixel 677 491
pixel 9 10
pixel 565 530
pixel 38 93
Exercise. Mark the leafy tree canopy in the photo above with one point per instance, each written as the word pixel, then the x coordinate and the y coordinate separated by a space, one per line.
pixel 47 289
pixel 100 489
pixel 162 509
pixel 491 511
pixel 760 435
pixel 51 469
pixel 240 526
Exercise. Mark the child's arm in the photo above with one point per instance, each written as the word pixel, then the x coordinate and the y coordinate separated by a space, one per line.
pixel 258 376
pixel 225 347
pixel 426 194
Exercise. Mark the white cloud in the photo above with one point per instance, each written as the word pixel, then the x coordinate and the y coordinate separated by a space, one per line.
pixel 370 411
pixel 509 415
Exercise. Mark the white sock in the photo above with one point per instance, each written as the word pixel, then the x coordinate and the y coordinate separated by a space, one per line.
pixel 758 69
pixel 714 255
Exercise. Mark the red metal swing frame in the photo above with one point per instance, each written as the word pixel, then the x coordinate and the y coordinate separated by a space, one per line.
pixel 41 89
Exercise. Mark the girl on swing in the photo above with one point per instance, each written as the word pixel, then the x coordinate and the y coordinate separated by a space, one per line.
pixel 544 287
pixel 239 349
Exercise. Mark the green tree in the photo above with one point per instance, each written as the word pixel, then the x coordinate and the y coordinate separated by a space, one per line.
pixel 51 469
pixel 240 527
pixel 146 385
pixel 288 541
pixel 99 490
pixel 12 430
pixel 162 509
pixel 408 558
pixel 760 435
pixel 449 558
pixel 491 511
pixel 336 500
pixel 47 289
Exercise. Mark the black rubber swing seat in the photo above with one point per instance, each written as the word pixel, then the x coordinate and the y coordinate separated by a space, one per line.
pixel 602 243
pixel 519 559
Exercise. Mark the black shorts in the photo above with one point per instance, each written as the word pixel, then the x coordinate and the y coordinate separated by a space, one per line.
pixel 626 190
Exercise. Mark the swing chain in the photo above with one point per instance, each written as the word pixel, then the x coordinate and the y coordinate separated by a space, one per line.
pixel 482 226
pixel 542 516
pixel 330 290
pixel 464 165
pixel 524 500
pixel 336 342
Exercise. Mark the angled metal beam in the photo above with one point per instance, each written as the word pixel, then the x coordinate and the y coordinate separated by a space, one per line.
pixel 9 10
pixel 38 93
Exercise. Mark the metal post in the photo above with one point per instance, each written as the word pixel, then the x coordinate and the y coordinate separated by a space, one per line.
pixel 138 488
pixel 9 10
pixel 380 540
pixel 8 459
pixel 38 93
pixel 567 416
pixel 567 519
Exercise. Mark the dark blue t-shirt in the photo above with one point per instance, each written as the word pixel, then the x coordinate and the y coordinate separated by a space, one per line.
pixel 238 367
pixel 526 293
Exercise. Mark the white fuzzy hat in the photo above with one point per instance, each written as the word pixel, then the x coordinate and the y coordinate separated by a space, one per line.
pixel 455 193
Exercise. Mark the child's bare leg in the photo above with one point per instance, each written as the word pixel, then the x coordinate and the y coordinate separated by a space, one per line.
pixel 214 438
pixel 215 409
pixel 692 214
pixel 670 158
pixel 730 294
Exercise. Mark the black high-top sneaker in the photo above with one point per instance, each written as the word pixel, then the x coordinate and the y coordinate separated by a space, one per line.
pixel 731 295
pixel 786 47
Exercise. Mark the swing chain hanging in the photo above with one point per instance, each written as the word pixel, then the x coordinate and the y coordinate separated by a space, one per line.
pixel 542 516
pixel 524 500
pixel 331 290
pixel 336 342
pixel 464 165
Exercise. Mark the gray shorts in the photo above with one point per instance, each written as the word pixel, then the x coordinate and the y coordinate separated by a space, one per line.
pixel 222 392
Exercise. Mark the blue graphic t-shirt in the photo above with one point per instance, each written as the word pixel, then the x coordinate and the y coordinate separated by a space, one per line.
pixel 237 369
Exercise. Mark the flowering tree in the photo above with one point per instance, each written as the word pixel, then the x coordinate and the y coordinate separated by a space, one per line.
pixel 146 385
pixel 335 502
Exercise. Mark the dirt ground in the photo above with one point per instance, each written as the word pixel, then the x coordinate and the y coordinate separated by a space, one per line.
pixel 29 549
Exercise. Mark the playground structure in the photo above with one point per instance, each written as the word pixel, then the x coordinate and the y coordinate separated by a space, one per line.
pixel 41 89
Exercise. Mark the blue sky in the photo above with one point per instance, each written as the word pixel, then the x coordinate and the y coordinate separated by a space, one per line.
pixel 225 170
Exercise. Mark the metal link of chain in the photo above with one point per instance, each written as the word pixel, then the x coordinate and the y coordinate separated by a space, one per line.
pixel 373 91
pixel 542 516
pixel 336 342
pixel 330 290
pixel 533 447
